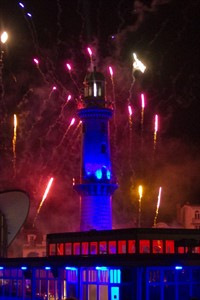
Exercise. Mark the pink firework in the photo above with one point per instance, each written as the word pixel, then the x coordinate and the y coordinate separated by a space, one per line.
pixel 69 98
pixel 130 110
pixel 68 66
pixel 36 61
pixel 142 101
pixel 72 121
pixel 89 51
pixel 156 124
pixel 111 71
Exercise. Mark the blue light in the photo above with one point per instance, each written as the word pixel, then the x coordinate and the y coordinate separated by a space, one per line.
pixel 102 268
pixel 1 268
pixel 71 268
pixel 108 174
pixel 98 174
pixel 23 268
pixel 178 268
pixel 47 268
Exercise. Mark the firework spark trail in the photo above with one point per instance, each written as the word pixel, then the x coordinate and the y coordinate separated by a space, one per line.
pixel 137 65
pixel 14 143
pixel 157 207
pixel 37 63
pixel 28 18
pixel 66 132
pixel 130 112
pixel 4 37
pixel 113 87
pixel 43 198
pixel 69 67
pixel 139 205
pixel 58 120
pixel 155 133
pixel 142 112
pixel 114 114
pixel 91 58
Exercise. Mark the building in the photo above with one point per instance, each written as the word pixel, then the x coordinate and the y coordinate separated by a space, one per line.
pixel 99 263
pixel 189 216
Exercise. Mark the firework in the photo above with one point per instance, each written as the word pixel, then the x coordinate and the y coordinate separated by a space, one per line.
pixel 130 112
pixel 69 98
pixel 69 67
pixel 155 131
pixel 68 128
pixel 37 63
pixel 4 37
pixel 142 110
pixel 137 64
pixel 113 87
pixel 140 204
pixel 91 58
pixel 14 143
pixel 43 198
pixel 158 205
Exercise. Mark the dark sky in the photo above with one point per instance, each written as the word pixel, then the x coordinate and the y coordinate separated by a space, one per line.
pixel 165 36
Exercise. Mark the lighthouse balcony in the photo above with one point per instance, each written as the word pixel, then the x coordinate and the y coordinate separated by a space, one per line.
pixel 95 188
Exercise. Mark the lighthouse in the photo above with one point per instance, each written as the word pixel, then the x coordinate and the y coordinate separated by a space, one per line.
pixel 96 184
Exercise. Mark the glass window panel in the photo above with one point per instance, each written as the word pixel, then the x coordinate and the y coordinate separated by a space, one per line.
pixel 131 246
pixel 92 275
pixel 121 247
pixel 102 247
pixel 169 292
pixel 184 275
pixel 103 275
pixel 169 244
pixel 144 246
pixel 183 292
pixel 76 249
pixel 157 246
pixel 154 276
pixel 60 249
pixel 181 250
pixel 92 292
pixel 93 248
pixel 169 275
pixel 68 248
pixel 112 247
pixel 85 248
pixel 196 291
pixel 196 275
pixel 52 249
pixel 103 292
pixel 154 292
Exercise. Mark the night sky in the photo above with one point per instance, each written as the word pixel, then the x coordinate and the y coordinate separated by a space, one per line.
pixel 165 36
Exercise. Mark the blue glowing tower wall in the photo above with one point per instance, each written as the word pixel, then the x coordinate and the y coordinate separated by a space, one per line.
pixel 96 180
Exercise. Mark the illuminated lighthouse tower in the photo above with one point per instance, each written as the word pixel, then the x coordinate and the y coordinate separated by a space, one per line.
pixel 96 180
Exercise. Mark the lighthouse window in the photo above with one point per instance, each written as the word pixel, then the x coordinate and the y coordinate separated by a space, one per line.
pixel 103 148
pixel 103 127
pixel 90 91
pixel 99 91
